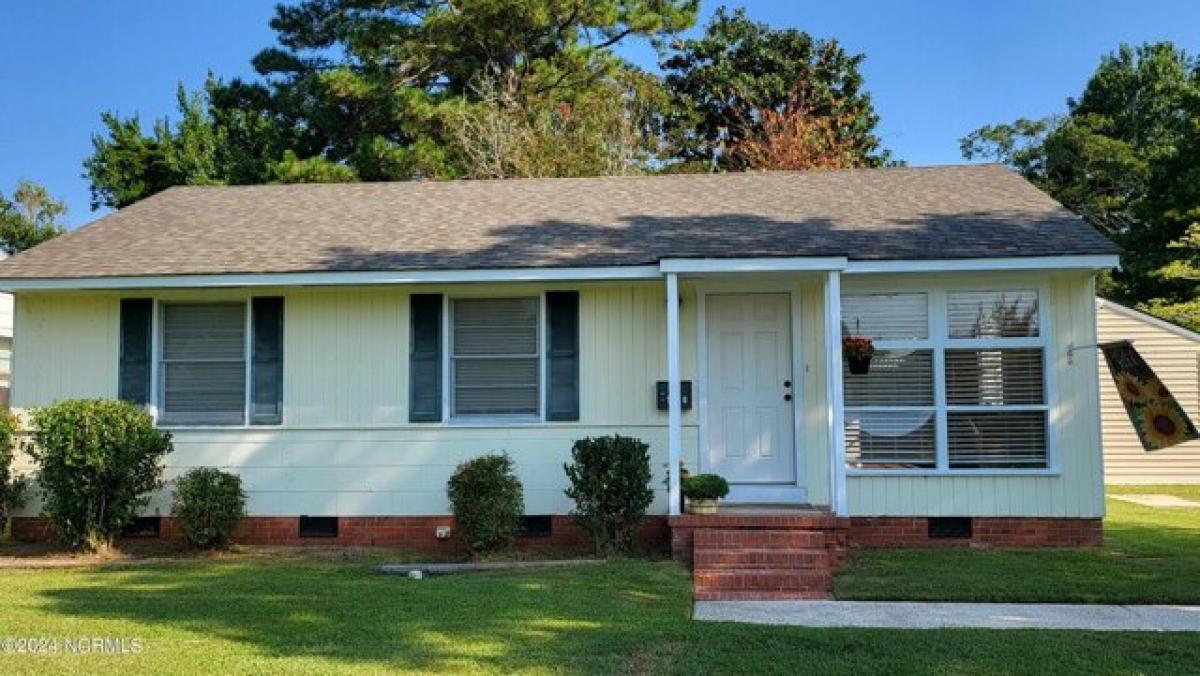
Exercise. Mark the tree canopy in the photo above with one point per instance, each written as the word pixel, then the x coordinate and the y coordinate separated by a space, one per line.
pixel 1125 156
pixel 725 85
pixel 29 218
pixel 377 90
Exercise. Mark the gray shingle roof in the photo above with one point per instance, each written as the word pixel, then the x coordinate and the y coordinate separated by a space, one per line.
pixel 869 214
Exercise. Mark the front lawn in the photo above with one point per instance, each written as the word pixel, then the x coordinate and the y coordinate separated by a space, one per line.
pixel 1151 555
pixel 325 616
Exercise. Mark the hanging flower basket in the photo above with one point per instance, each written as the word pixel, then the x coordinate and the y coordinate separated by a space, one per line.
pixel 857 350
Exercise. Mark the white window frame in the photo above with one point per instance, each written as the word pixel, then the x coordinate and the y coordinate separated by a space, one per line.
pixel 158 376
pixel 939 341
pixel 498 419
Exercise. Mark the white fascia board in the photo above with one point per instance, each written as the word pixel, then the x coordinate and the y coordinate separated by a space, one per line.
pixel 337 278
pixel 717 265
pixel 987 264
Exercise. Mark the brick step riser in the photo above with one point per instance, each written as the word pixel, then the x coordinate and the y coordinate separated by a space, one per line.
pixel 706 558
pixel 735 539
pixel 762 595
pixel 761 581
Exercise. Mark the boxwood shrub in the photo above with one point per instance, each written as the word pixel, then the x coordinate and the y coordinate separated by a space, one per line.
pixel 98 460
pixel 488 502
pixel 610 484
pixel 705 487
pixel 208 504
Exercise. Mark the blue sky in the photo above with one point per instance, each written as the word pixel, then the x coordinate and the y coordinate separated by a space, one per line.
pixel 936 69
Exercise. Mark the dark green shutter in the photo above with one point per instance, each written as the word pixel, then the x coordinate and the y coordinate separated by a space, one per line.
pixel 425 358
pixel 133 369
pixel 266 378
pixel 562 355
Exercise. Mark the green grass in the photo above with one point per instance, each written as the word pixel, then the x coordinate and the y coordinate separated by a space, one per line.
pixel 240 616
pixel 1150 556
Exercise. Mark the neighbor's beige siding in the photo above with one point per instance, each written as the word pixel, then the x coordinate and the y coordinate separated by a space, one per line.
pixel 1174 359
pixel 1078 490
pixel 346 446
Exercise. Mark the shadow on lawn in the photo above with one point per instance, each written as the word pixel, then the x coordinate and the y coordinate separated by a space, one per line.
pixel 499 622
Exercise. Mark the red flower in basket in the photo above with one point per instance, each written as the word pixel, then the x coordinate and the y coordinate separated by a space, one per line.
pixel 857 351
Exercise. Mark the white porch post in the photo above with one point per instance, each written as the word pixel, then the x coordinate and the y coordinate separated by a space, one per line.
pixel 674 404
pixel 833 378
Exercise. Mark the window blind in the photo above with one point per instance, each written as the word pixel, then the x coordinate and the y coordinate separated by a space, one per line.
pixel 203 364
pixel 891 439
pixel 496 365
pixel 992 314
pixel 896 378
pixel 886 316
pixel 997 439
pixel 994 377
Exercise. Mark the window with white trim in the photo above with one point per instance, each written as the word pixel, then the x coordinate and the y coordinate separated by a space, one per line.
pixel 495 367
pixel 203 364
pixel 957 381
pixel 219 363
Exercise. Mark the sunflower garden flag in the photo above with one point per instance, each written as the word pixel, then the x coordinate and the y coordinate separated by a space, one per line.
pixel 1158 418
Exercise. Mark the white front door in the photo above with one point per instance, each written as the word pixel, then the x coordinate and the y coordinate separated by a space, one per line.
pixel 750 430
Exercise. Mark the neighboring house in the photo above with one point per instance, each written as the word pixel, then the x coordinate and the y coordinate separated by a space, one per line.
pixel 6 344
pixel 1174 354
pixel 343 347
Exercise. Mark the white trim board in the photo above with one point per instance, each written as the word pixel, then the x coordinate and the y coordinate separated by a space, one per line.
pixel 694 266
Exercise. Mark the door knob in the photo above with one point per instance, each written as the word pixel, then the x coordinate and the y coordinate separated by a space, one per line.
pixel 787 397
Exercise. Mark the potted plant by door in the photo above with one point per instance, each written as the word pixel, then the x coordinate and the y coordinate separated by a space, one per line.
pixel 704 493
pixel 858 351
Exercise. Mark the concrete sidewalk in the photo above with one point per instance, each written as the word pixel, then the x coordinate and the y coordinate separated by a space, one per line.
pixel 905 615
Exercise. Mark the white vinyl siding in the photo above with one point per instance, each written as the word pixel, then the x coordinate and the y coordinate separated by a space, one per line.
pixel 202 369
pixel 957 382
pixel 495 363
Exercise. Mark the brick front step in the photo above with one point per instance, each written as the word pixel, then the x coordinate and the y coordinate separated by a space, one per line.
pixel 758 539
pixel 757 580
pixel 725 595
pixel 707 558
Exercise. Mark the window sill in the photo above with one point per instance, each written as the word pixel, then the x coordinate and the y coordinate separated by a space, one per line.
pixel 495 421
pixel 954 473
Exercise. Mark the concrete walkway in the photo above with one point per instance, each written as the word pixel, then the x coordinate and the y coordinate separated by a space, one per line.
pixel 903 615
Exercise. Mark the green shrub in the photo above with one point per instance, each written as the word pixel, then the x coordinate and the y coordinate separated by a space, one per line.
pixel 98 459
pixel 488 501
pixel 610 484
pixel 208 503
pixel 705 487
pixel 12 486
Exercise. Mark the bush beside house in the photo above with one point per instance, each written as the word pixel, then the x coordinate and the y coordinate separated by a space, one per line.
pixel 488 502
pixel 610 484
pixel 98 461
pixel 12 486
pixel 208 503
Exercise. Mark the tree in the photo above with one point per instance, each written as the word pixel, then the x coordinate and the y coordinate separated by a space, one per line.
pixel 795 139
pixel 600 133
pixel 29 218
pixel 1125 156
pixel 371 90
pixel 724 84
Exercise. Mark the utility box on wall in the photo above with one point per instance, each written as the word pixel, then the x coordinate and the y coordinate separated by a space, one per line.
pixel 685 395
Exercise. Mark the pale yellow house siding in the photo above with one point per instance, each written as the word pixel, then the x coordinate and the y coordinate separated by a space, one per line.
pixel 1174 355
pixel 346 446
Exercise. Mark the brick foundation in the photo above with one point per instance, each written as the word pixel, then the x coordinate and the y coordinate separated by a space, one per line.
pixel 404 532
pixel 899 532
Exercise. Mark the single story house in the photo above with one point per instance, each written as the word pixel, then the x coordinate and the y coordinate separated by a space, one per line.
pixel 343 347
pixel 1174 354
